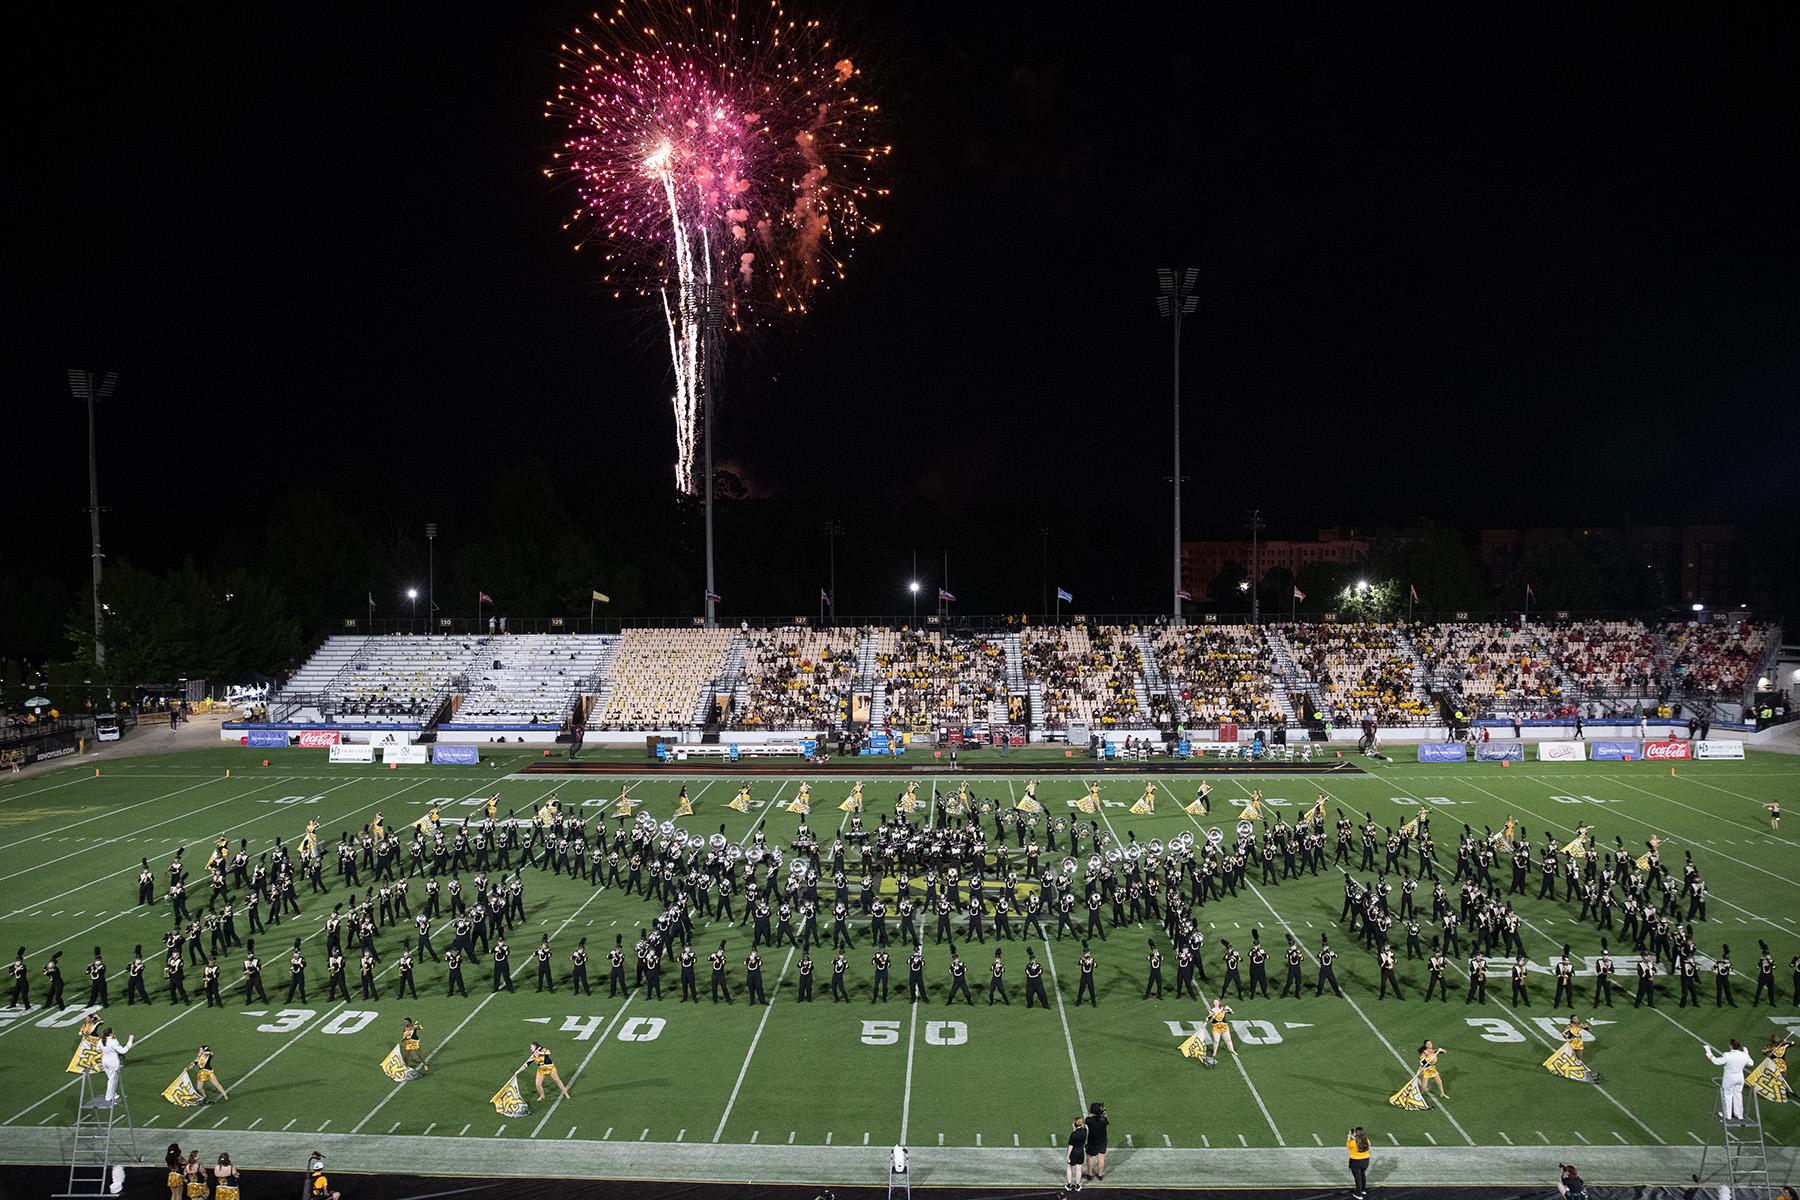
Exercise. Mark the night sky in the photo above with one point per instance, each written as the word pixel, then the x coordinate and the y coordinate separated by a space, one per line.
pixel 1531 266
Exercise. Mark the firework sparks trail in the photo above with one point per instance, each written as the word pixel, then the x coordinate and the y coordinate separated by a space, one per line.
pixel 706 146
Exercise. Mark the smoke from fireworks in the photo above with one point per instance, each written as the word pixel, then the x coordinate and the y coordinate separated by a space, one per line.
pixel 722 159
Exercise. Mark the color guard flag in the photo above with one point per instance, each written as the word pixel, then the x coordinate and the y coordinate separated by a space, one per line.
pixel 1143 807
pixel 1030 805
pixel 624 806
pixel 1193 1047
pixel 1410 1097
pixel 1769 1082
pixel 508 1102
pixel 1196 809
pixel 1565 1064
pixel 800 805
pixel 685 808
pixel 1086 804
pixel 181 1093
pixel 851 803
pixel 739 802
pixel 395 1068
pixel 86 1059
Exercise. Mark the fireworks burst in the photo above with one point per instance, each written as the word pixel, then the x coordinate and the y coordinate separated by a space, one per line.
pixel 722 159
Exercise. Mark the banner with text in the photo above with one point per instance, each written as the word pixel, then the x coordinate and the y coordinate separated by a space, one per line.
pixel 1719 749
pixel 1500 752
pixel 315 739
pixel 1669 749
pixel 266 739
pixel 456 756
pixel 343 752
pixel 1614 751
pixel 1443 752
pixel 1562 751
pixel 404 754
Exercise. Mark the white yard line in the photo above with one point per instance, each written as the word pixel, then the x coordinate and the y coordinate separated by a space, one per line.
pixel 9 796
pixel 912 1031
pixel 108 815
pixel 605 1034
pixel 1787 879
pixel 745 1069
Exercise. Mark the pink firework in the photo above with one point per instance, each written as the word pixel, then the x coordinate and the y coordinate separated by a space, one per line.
pixel 709 148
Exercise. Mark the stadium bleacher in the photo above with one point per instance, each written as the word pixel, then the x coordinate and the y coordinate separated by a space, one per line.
pixel 1111 677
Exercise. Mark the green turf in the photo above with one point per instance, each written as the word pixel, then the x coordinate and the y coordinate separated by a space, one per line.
pixel 810 1076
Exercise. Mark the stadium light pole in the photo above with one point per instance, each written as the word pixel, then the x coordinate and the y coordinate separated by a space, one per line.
pixel 832 531
pixel 412 600
pixel 710 310
pixel 1257 525
pixel 430 576
pixel 913 587
pixel 1176 301
pixel 90 386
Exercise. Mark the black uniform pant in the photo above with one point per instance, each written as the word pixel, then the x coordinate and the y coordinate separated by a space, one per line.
pixel 1388 977
pixel 1646 993
pixel 502 978
pixel 1034 988
pixel 754 984
pixel 407 987
pixel 544 978
pixel 718 985
pixel 804 994
pixel 1603 986
pixel 1520 995
pixel 134 990
pixel 212 996
pixel 1086 988
pixel 1477 991
pixel 1292 982
pixel 1722 991
pixel 334 984
pixel 296 983
pixel 959 983
pixel 456 987
pixel 915 987
pixel 1436 982
pixel 998 988
pixel 253 987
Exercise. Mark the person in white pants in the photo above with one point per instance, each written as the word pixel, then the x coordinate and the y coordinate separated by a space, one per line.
pixel 1735 1061
pixel 113 1052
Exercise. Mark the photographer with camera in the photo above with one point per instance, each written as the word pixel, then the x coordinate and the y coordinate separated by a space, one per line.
pixel 1569 1184
pixel 1357 1144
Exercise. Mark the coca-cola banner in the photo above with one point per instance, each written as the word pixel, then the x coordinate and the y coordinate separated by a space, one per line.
pixel 317 738
pixel 1667 750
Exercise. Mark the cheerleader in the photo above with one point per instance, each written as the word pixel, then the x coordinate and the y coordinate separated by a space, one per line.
pixel 225 1177
pixel 193 1176
pixel 545 1066
pixel 1428 1068
pixel 172 1161
pixel 204 1074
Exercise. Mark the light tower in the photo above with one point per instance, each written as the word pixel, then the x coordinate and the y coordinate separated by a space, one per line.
pixel 711 306
pixel 1176 301
pixel 91 386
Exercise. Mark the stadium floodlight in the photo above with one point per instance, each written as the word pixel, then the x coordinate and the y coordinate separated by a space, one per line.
pixel 1362 585
pixel 89 386
pixel 412 593
pixel 1177 300
pixel 1699 608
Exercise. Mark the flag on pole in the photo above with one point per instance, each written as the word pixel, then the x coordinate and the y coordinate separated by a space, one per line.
pixel 1063 595
pixel 1410 1097
pixel 482 598
pixel 181 1093
pixel 86 1059
pixel 602 598
pixel 824 596
pixel 714 598
pixel 946 597
pixel 1183 594
pixel 1299 595
pixel 395 1068
pixel 1529 594
pixel 1769 1082
pixel 1413 591
pixel 508 1102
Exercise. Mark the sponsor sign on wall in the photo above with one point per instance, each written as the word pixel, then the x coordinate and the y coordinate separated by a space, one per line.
pixel 313 739
pixel 1443 752
pixel 392 737
pixel 1562 751
pixel 1719 749
pixel 1614 751
pixel 403 754
pixel 459 756
pixel 343 752
pixel 1667 750
pixel 1500 752
pixel 266 738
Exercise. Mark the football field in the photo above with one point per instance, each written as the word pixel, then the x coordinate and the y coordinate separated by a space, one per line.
pixel 815 1093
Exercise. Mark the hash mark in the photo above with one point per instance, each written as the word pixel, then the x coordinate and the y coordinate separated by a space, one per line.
pixel 465 1130
pixel 1504 1138
pixel 1429 1138
pixel 1243 1141
pixel 1167 1142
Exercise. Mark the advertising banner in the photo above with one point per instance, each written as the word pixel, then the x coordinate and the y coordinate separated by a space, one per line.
pixel 1562 751
pixel 392 737
pixel 1668 750
pixel 343 752
pixel 1718 749
pixel 458 756
pixel 403 754
pixel 1614 751
pixel 1500 752
pixel 266 738
pixel 314 739
pixel 1443 752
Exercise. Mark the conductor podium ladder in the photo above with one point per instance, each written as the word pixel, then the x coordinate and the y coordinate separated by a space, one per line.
pixel 103 1138
pixel 1746 1154
pixel 899 1173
